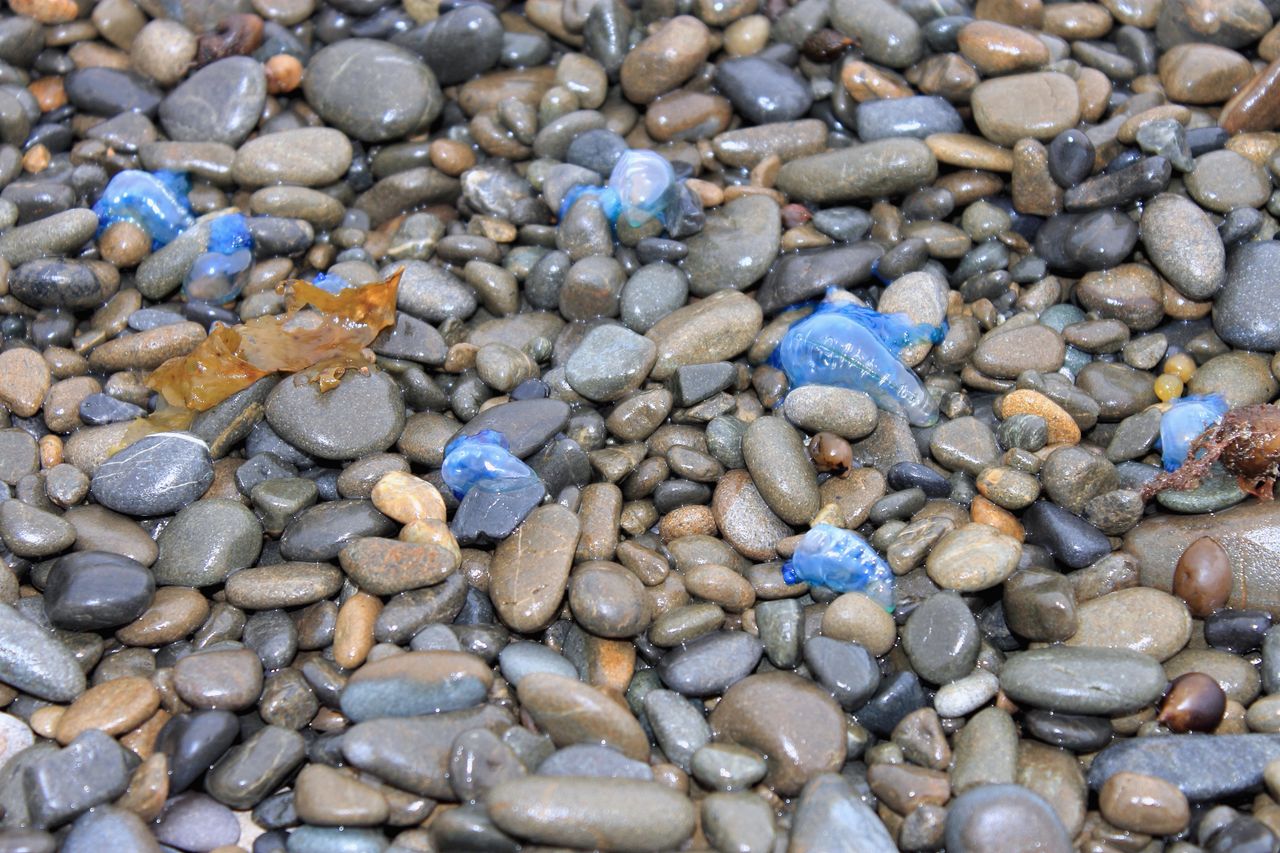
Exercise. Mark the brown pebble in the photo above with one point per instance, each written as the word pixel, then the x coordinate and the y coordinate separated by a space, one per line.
pixel 114 707
pixel 284 73
pixel 49 92
pixel 1202 577
pixel 353 633
pixel 124 244
pixel 1195 703
pixel 148 788
pixel 36 159
pixel 50 451
pixel 451 157
pixel 1141 803
pixel 1256 106
pixel 47 11
pixel 830 453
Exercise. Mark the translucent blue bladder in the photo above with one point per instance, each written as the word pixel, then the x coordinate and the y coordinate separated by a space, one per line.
pixel 154 201
pixel 640 188
pixel 219 274
pixel 330 283
pixel 1183 422
pixel 855 347
pixel 483 461
pixel 843 561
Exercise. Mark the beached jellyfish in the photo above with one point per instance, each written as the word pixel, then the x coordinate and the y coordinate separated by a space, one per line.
pixel 851 346
pixel 154 201
pixel 641 188
pixel 219 274
pixel 483 461
pixel 843 561
pixel 1183 423
pixel 330 283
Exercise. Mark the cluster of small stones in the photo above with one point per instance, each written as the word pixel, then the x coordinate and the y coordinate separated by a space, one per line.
pixel 278 631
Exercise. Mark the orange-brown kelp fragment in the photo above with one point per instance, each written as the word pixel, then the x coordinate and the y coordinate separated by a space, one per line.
pixel 328 340
pixel 1247 440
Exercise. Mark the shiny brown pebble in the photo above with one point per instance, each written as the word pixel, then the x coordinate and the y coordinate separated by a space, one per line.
pixel 1202 577
pixel 830 453
pixel 1195 703
pixel 1141 803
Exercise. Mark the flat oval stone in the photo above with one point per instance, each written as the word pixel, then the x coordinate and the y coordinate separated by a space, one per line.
pixel 530 570
pixel 572 712
pixel 114 707
pixel 790 720
pixel 156 475
pixel 1004 816
pixel 735 247
pixel 282 585
pixel 709 665
pixel 93 590
pixel 1144 620
pixel 1080 680
pixel 306 156
pixel 1039 105
pixel 221 102
pixel 372 90
pixel 415 683
pixel 229 679
pixel 1203 768
pixel 318 422
pixel 717 328
pixel 387 566
pixel 1184 245
pixel 972 558
pixel 886 167
pixel 207 541
pixel 617 814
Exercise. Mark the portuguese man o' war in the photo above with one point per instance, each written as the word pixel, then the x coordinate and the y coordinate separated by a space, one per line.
pixel 848 345
pixel 154 201
pixel 641 188
pixel 843 561
pixel 483 461
pixel 219 274
pixel 1183 422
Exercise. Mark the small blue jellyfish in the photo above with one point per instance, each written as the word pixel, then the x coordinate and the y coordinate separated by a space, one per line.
pixel 218 275
pixel 483 461
pixel 641 187
pixel 154 201
pixel 854 347
pixel 330 283
pixel 1183 422
pixel 843 561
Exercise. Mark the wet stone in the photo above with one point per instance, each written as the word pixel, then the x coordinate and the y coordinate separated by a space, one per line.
pixel 155 476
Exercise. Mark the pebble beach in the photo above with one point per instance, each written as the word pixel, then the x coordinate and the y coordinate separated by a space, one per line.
pixel 748 426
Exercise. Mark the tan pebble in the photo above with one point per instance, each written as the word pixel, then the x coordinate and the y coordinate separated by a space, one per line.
pixel 694 520
pixel 44 721
pixel 50 451
pixel 1062 429
pixel 451 157
pixel 969 152
pixel 431 531
pixel 142 740
pixel 284 73
pixel 1000 49
pixel 460 357
pixel 49 92
pixel 124 244
pixel 36 159
pixel 174 613
pixel 405 498
pixel 803 237
pixel 113 707
pixel 24 380
pixel 353 633
pixel 1095 93
pixel 1073 21
pixel 1199 73
pixel 857 618
pixel 746 36
pixel 1018 13
pixel 1258 146
pixel 984 511
pixel 867 82
pixel 708 193
pixel 1128 131
pixel 1141 803
pixel 47 11
pixel 148 788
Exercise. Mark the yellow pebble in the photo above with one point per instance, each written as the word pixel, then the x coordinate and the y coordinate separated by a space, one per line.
pixel 1168 387
pixel 1180 365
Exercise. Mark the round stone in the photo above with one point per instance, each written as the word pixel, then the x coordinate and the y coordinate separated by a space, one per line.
pixel 320 423
pixel 372 90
